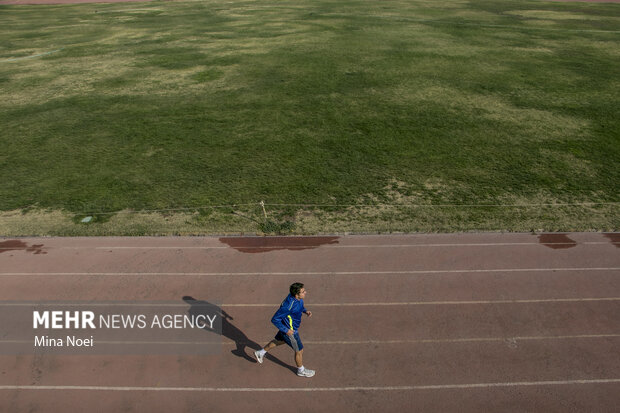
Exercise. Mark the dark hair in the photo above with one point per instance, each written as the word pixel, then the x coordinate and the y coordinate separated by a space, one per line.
pixel 296 288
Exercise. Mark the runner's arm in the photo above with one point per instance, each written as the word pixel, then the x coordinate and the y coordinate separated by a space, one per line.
pixel 279 318
pixel 303 309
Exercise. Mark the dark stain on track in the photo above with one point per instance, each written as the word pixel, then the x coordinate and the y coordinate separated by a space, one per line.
pixel 614 237
pixel 556 241
pixel 254 245
pixel 17 245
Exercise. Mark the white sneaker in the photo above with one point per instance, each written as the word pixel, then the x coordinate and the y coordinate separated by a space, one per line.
pixel 259 357
pixel 306 373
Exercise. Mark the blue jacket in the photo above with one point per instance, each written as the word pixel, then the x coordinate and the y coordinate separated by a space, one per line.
pixel 288 316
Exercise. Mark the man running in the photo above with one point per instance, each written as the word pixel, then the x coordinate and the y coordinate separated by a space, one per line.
pixel 287 320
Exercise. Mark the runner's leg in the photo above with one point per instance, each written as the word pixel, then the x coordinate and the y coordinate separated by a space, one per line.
pixel 272 344
pixel 299 358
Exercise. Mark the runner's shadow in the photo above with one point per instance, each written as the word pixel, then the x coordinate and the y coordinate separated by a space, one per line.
pixel 230 331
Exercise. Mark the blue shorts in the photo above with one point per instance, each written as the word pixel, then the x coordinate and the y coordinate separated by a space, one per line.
pixel 293 341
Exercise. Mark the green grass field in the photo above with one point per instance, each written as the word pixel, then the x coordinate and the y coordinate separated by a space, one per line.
pixel 343 116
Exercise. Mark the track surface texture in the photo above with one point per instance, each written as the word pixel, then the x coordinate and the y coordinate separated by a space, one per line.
pixel 467 323
pixel 143 1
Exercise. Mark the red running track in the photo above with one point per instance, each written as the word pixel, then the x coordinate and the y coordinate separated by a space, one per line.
pixel 467 323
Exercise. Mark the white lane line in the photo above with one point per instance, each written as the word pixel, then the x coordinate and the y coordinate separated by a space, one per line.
pixel 464 340
pixel 368 304
pixel 320 389
pixel 89 304
pixel 363 342
pixel 308 273
pixel 138 343
pixel 499 244
pixel 487 244
pixel 340 246
pixel 542 300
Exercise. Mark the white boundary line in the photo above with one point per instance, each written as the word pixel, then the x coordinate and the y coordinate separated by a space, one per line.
pixel 499 244
pixel 309 273
pixel 320 389
pixel 365 342
pixel 386 304
pixel 464 340
pixel 139 343
pixel 368 304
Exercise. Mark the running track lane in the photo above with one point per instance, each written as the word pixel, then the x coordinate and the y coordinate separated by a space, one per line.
pixel 467 322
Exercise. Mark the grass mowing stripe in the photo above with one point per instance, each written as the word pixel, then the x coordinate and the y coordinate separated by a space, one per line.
pixel 30 57
pixel 336 115
pixel 479 24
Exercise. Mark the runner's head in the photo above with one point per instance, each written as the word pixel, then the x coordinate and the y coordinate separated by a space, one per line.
pixel 297 290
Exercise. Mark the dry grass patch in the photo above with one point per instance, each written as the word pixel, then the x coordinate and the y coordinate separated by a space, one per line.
pixel 124 223
pixel 551 15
